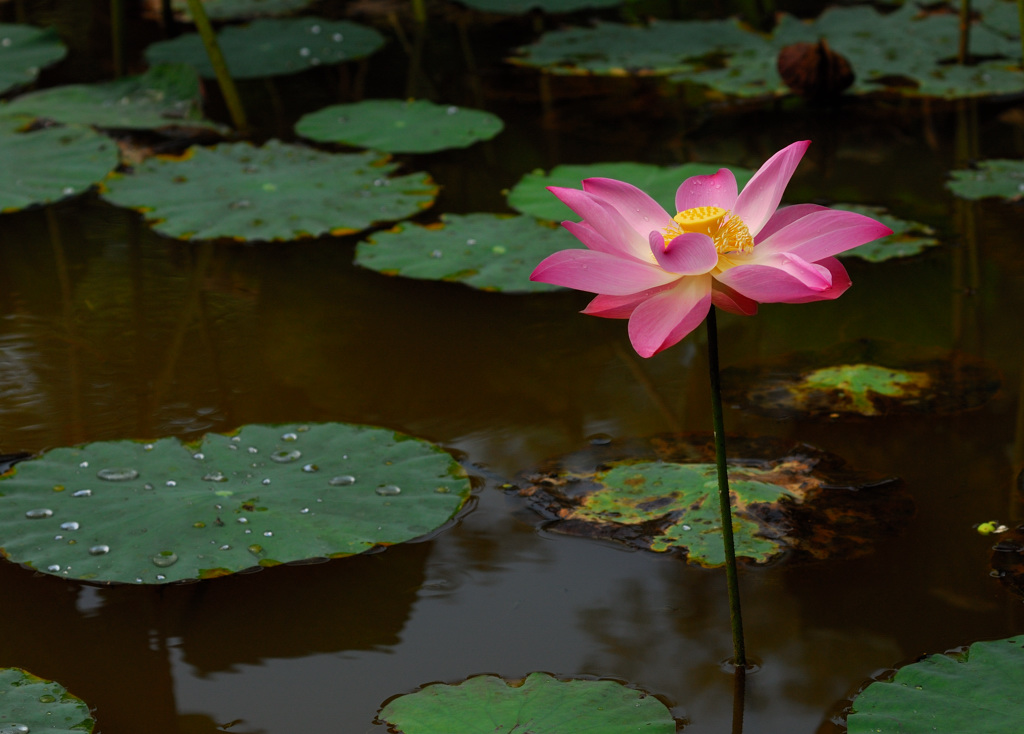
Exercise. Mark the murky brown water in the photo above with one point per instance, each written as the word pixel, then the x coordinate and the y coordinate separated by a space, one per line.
pixel 109 331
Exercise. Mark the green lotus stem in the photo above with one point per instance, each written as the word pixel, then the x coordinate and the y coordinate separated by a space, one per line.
pixel 725 506
pixel 220 67
pixel 962 53
pixel 117 35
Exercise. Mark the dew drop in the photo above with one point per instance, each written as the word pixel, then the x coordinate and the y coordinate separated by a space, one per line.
pixel 265 482
pixel 118 474
pixel 82 493
pixel 225 547
pixel 290 437
pixel 84 465
pixel 337 38
pixel 686 527
pixel 285 457
pixel 40 513
pixel 388 490
pixel 99 550
pixel 163 559
pixel 53 568
pixel 341 481
pixel 253 450
pixel 310 468
pixel 198 457
pixel 171 483
pixel 13 728
pixel 268 534
pixel 70 525
pixel 161 577
pixel 147 447
pixel 437 254
pixel 47 698
pixel 236 439
pixel 452 110
pixel 470 242
pixel 314 29
pixel 303 51
pixel 255 549
pixel 215 476
pixel 243 520
pixel 304 511
pixel 147 485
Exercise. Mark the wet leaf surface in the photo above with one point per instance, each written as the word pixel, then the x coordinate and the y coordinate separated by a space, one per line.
pixel 273 46
pixel 29 704
pixel 864 378
pixel 975 690
pixel 24 51
pixel 660 494
pixel 540 704
pixel 991 178
pixel 486 251
pixel 133 512
pixel 274 192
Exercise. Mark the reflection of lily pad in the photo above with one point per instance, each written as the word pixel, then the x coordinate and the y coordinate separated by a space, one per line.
pixel 50 164
pixel 399 126
pixel 276 192
pixel 974 690
pixel 273 46
pixel 24 50
pixel 167 94
pixel 540 704
pixel 165 511
pixel 995 177
pixel 530 195
pixel 907 238
pixel 485 251
pixel 31 704
pixel 661 495
pixel 865 378
pixel 234 9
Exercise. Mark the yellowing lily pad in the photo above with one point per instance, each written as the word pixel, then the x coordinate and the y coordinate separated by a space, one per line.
pixel 29 703
pixel 661 495
pixel 274 192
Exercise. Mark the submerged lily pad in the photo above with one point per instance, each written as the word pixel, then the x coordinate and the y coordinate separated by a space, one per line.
pixel 31 704
pixel 530 194
pixel 540 704
pixel 492 252
pixel 234 9
pixel 975 690
pixel 273 46
pixel 126 511
pixel 399 126
pixel 24 50
pixel 991 178
pixel 50 164
pixel 166 95
pixel 662 495
pixel 865 378
pixel 275 192
pixel 907 239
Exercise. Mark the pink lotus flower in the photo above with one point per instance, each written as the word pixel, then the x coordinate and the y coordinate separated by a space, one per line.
pixel 664 273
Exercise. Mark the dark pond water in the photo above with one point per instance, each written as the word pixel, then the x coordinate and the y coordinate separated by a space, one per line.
pixel 110 331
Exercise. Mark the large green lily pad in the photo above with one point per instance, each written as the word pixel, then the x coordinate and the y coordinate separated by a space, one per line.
pixel 990 178
pixel 31 704
pixel 974 690
pixel 491 252
pixel 662 495
pixel 234 9
pixel 50 164
pixel 530 195
pixel 273 46
pixel 399 126
pixel 134 512
pixel 274 192
pixel 864 378
pixel 907 239
pixel 24 50
pixel 539 704
pixel 166 95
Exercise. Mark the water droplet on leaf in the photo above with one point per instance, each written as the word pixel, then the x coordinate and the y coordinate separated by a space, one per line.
pixel 342 481
pixel 99 550
pixel 388 490
pixel 118 474
pixel 284 457
pixel 164 559
pixel 40 513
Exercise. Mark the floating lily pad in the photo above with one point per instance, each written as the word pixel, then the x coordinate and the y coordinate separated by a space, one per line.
pixel 539 704
pixel 127 511
pixel 31 704
pixel 166 95
pixel 865 378
pixel 530 195
pixel 662 495
pixel 234 9
pixel 992 178
pixel 518 7
pixel 275 192
pixel 492 252
pixel 399 126
pixel 273 46
pixel 51 164
pixel 907 238
pixel 24 50
pixel 975 690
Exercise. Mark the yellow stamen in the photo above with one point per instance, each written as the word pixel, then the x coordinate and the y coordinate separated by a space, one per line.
pixel 728 232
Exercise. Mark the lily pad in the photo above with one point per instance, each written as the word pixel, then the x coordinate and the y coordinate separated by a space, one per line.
pixel 399 126
pixel 991 178
pixel 54 163
pixel 492 252
pixel 127 511
pixel 540 704
pixel 662 495
pixel 166 95
pixel 519 7
pixel 234 9
pixel 907 239
pixel 274 192
pixel 866 378
pixel 530 195
pixel 24 50
pixel 31 704
pixel 273 46
pixel 975 690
